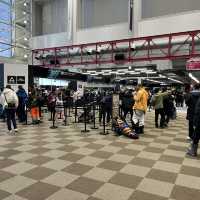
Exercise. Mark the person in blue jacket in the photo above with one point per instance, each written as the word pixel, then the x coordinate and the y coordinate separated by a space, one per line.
pixel 23 98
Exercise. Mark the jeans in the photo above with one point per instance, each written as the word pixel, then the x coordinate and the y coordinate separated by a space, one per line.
pixel 162 117
pixel 10 114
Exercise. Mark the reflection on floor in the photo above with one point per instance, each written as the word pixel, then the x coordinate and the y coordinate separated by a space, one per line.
pixel 41 163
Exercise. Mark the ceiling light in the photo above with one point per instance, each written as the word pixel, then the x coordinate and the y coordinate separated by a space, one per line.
pixel 148 72
pixel 133 46
pixel 24 13
pixel 25 56
pixel 25 38
pixel 141 69
pixel 130 67
pixel 25 4
pixel 107 70
pixel 25 21
pixel 154 81
pixel 193 78
pixel 177 81
pixel 162 76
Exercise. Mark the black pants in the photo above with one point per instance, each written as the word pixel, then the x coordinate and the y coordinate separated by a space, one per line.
pixel 191 129
pixel 21 113
pixel 162 117
pixel 107 112
pixel 10 114
pixel 196 135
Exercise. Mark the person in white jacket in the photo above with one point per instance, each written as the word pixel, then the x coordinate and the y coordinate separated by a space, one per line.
pixel 9 101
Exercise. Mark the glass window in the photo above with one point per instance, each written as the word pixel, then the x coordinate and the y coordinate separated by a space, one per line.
pixel 5 28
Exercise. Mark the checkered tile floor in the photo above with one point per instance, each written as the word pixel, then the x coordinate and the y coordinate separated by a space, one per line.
pixel 63 164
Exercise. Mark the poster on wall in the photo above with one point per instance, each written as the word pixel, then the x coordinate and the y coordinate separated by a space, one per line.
pixel 11 80
pixel 20 80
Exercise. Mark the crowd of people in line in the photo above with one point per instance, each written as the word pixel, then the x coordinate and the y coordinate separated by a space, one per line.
pixel 135 102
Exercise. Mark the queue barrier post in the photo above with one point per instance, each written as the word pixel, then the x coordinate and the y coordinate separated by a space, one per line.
pixel 94 117
pixel 53 120
pixel 85 122
pixel 105 132
pixel 65 114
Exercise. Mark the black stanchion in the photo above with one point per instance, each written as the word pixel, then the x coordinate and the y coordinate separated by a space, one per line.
pixel 94 117
pixel 26 123
pixel 54 114
pixel 85 122
pixel 69 111
pixel 105 132
pixel 65 114
pixel 76 113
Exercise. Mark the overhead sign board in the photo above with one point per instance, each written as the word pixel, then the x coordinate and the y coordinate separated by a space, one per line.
pixel 193 64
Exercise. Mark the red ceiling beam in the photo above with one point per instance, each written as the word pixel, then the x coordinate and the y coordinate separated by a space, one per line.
pixel 182 45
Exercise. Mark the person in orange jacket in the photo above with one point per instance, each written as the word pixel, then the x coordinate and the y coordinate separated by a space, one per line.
pixel 139 109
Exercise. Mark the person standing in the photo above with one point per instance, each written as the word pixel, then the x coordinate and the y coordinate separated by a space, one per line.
pixel 139 109
pixel 127 104
pixel 191 101
pixel 158 103
pixel 192 151
pixel 9 100
pixel 23 98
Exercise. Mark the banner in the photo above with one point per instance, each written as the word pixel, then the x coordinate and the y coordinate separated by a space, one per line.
pixel 193 64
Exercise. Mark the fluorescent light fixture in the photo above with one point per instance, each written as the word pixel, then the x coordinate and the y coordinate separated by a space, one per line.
pixel 25 21
pixel 107 70
pixel 151 72
pixel 155 81
pixel 25 56
pixel 86 73
pixel 162 76
pixel 91 71
pixel 141 69
pixel 25 38
pixel 177 81
pixel 133 46
pixel 134 73
pixel 193 78
pixel 121 73
pixel 25 4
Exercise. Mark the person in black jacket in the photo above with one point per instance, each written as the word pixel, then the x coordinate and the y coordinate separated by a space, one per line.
pixel 191 101
pixel 196 135
pixel 127 103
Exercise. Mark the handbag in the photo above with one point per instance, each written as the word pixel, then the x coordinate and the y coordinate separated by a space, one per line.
pixel 9 105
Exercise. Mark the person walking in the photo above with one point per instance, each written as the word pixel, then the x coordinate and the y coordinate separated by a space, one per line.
pixel 9 100
pixel 158 104
pixel 23 99
pixel 192 151
pixel 191 101
pixel 139 109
